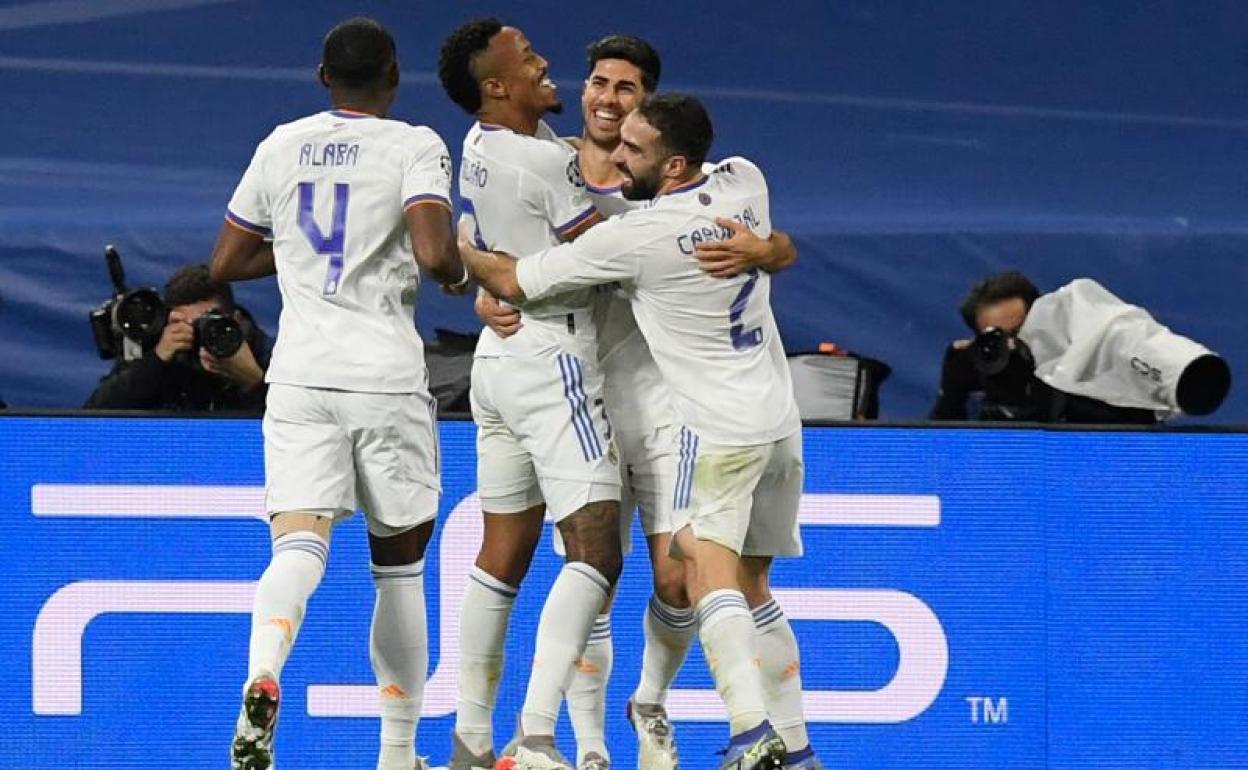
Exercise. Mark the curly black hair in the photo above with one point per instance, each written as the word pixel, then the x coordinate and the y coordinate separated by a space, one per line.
pixel 459 51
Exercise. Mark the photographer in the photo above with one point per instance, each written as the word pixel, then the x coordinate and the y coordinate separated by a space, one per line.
pixel 175 374
pixel 991 377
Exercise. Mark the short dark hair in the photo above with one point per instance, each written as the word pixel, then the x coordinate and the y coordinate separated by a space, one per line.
pixel 455 61
pixel 995 288
pixel 683 124
pixel 358 54
pixel 193 283
pixel 631 49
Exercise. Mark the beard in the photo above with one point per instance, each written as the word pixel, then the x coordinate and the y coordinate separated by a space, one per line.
pixel 637 188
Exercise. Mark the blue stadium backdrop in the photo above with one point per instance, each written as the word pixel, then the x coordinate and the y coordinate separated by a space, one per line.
pixel 981 598
pixel 911 148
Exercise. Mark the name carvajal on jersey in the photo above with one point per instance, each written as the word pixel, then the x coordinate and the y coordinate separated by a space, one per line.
pixel 716 232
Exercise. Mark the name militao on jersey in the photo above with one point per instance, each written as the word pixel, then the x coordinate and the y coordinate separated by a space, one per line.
pixel 522 194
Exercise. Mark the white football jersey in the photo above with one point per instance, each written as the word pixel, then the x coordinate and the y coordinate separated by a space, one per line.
pixel 636 394
pixel 522 194
pixel 331 189
pixel 715 340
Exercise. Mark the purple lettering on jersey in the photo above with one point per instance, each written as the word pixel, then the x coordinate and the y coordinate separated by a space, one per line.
pixel 333 245
pixel 332 154
pixel 743 339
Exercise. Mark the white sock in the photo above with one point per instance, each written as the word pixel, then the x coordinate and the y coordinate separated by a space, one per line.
pixel 726 629
pixel 669 631
pixel 587 694
pixel 482 631
pixel 398 645
pixel 293 573
pixel 567 618
pixel 782 674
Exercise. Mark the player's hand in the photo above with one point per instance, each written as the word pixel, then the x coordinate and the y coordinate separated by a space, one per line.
pixel 240 368
pixel 178 335
pixel 740 252
pixel 503 319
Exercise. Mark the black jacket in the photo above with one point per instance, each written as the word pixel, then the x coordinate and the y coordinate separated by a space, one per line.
pixel 180 385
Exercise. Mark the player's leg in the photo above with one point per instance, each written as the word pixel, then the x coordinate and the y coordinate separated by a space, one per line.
pixel 570 441
pixel 395 446
pixel 507 546
pixel 512 524
pixel 591 537
pixel 398 638
pixel 712 516
pixel 587 694
pixel 669 625
pixel 774 532
pixel 309 479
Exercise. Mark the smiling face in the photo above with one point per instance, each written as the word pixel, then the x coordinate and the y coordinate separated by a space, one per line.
pixel 524 74
pixel 612 90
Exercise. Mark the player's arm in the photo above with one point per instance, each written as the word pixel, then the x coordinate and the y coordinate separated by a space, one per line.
pixel 744 251
pixel 607 254
pixel 494 271
pixel 433 241
pixel 244 247
pixel 579 226
pixel 241 252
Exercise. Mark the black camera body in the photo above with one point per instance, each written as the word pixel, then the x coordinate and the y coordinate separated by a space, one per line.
pixel 1005 369
pixel 219 333
pixel 132 320
pixel 134 315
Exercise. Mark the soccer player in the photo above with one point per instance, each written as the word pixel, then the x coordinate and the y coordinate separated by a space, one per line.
pixel 329 203
pixel 543 440
pixel 716 343
pixel 622 70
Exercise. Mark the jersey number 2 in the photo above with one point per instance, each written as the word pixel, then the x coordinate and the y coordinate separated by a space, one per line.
pixel 743 339
pixel 331 246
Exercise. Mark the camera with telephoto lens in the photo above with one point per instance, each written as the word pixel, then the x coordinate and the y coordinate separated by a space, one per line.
pixel 1005 369
pixel 994 351
pixel 219 333
pixel 131 320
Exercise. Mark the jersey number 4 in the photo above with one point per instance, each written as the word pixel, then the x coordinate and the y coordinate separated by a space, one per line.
pixel 331 246
pixel 742 338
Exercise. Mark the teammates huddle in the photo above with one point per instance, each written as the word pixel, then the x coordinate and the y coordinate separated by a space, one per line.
pixel 633 357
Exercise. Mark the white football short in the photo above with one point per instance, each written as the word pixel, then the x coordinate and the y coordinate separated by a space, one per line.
pixel 744 498
pixel 333 451
pixel 649 461
pixel 542 434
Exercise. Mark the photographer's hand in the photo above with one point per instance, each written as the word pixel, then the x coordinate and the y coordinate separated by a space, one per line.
pixel 240 368
pixel 178 335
